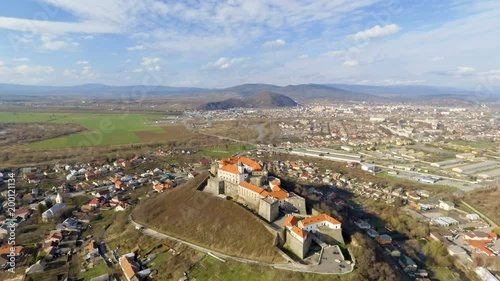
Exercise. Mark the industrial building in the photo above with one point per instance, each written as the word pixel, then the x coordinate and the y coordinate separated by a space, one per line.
pixel 328 154
pixel 490 175
pixel 476 167
pixel 444 221
pixel 447 163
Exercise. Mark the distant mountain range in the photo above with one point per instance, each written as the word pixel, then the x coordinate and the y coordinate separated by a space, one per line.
pixel 233 95
pixel 258 100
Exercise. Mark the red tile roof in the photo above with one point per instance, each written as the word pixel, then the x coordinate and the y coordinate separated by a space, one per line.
pixel 275 182
pixel 230 169
pixel 480 245
pixel 248 162
pixel 291 221
pixel 279 194
pixel 94 201
pixel 5 250
pixel 253 188
pixel 127 268
pixel 319 218
pixel 302 233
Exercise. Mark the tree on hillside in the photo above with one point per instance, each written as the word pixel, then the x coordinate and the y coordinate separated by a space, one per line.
pixel 437 254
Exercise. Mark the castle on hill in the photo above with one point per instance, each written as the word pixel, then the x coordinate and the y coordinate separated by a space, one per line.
pixel 247 182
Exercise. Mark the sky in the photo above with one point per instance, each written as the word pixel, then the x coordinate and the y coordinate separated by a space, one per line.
pixel 213 44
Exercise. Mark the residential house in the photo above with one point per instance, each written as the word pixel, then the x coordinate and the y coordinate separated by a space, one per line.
pixel 23 213
pixel 54 237
pixel 132 268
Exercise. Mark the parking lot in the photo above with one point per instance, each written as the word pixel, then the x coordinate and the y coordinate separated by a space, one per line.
pixel 333 259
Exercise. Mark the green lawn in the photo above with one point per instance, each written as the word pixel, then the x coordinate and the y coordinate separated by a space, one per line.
pixel 104 129
pixel 474 144
pixel 224 151
pixel 99 269
pixel 210 269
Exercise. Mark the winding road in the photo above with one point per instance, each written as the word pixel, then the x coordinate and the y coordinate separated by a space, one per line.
pixel 283 266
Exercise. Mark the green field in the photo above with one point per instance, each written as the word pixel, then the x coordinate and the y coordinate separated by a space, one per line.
pixel 474 144
pixel 103 129
pixel 224 151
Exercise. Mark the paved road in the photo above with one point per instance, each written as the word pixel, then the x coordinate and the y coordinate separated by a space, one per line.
pixel 284 266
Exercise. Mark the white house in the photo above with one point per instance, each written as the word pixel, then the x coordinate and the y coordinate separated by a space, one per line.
pixel 446 205
pixel 472 217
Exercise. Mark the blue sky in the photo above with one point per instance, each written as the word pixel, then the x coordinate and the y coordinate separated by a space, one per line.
pixel 223 43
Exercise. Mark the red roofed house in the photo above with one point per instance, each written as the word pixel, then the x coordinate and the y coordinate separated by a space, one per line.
pixel 160 187
pixel 120 185
pixel 54 237
pixel 23 213
pixel 132 269
pixel 94 203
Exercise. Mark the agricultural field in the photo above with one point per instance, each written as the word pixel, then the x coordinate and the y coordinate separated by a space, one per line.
pixel 102 128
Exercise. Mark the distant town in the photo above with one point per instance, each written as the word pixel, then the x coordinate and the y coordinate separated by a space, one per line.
pixel 415 184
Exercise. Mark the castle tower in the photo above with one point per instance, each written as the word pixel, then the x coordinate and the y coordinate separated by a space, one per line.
pixel 241 168
pixel 59 199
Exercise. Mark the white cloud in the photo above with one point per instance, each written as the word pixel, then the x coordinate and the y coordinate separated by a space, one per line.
pixel 302 57
pixel 84 73
pixel 136 48
pixel 87 37
pixel 21 59
pixel 140 35
pixel 376 32
pixel 82 62
pixel 25 69
pixel 274 43
pixel 69 72
pixel 224 63
pixel 465 70
pixel 490 76
pixel 393 82
pixel 363 82
pixel 350 63
pixel 335 53
pixel 50 42
pixel 434 59
pixel 53 27
pixel 149 64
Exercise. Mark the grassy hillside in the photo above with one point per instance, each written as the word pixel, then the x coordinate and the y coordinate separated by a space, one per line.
pixel 103 129
pixel 208 221
pixel 210 269
pixel 486 201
